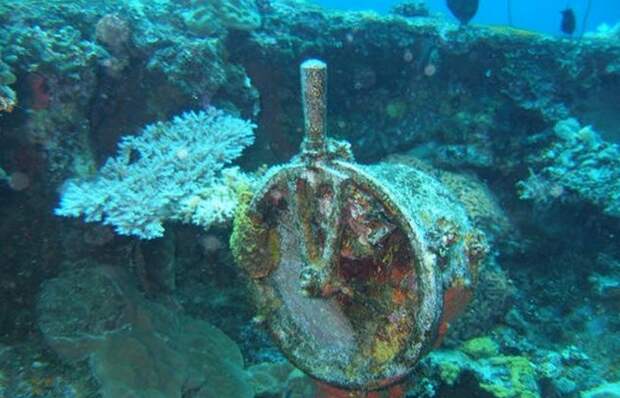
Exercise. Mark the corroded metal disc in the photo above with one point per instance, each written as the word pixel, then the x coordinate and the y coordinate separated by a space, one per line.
pixel 339 282
pixel 357 270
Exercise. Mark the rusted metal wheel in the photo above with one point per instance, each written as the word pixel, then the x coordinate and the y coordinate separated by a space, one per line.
pixel 357 270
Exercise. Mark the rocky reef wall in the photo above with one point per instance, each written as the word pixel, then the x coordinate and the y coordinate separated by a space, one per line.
pixel 523 127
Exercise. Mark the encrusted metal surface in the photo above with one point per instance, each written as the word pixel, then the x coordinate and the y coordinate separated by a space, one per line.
pixel 314 96
pixel 357 270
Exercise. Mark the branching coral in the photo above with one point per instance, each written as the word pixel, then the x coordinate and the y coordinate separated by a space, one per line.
pixel 137 348
pixel 204 17
pixel 164 174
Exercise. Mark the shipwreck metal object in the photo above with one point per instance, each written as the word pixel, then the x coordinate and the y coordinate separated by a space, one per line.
pixel 357 270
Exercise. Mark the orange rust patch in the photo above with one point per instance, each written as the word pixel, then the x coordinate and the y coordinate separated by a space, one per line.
pixel 396 391
pixel 441 333
pixel 398 273
pixel 455 299
pixel 327 391
pixel 399 296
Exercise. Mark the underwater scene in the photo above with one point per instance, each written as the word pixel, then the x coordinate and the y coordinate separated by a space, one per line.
pixel 309 199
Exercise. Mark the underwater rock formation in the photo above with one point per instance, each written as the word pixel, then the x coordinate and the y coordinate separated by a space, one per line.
pixel 135 347
pixel 411 9
pixel 203 18
pixel 411 81
pixel 575 160
pixel 482 367
pixel 498 114
pixel 280 379
pixel 605 281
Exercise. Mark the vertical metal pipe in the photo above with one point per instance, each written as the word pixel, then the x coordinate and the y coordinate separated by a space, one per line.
pixel 314 102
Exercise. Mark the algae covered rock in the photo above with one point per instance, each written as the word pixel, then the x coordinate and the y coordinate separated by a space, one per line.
pixel 480 347
pixel 492 374
pixel 410 9
pixel 238 14
pixel 207 18
pixel 578 161
pixel 136 347
pixel 280 379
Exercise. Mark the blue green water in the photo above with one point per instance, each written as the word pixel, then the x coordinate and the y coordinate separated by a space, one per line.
pixel 542 16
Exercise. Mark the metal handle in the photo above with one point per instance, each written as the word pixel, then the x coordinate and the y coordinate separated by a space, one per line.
pixel 314 101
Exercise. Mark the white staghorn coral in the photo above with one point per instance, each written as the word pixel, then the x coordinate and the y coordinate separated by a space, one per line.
pixel 156 173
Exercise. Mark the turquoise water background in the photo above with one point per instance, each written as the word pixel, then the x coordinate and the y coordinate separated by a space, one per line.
pixel 539 15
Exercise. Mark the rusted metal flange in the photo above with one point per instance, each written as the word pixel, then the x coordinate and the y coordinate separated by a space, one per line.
pixel 356 269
